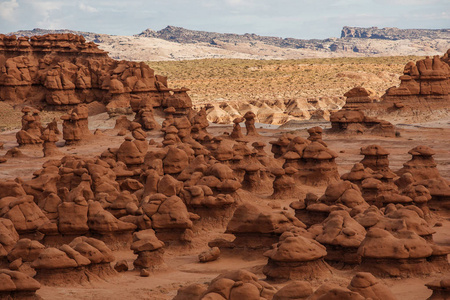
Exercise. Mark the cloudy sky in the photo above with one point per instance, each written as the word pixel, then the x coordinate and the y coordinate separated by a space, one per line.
pixel 284 18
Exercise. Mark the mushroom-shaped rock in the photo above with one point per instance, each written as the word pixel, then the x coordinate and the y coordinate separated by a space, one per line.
pixel 440 288
pixel 422 165
pixel 317 165
pixel 250 123
pixel 255 229
pixel 298 258
pixel 399 254
pixel 17 285
pixel 376 158
pixel 370 287
pixel 342 236
pixel 149 250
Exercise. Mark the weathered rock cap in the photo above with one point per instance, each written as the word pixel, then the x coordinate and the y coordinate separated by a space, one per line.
pixel 297 249
pixel 374 150
pixel 14 281
pixel 422 151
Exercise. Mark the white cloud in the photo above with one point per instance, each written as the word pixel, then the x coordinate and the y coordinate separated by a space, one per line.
pixel 7 9
pixel 87 8
pixel 45 11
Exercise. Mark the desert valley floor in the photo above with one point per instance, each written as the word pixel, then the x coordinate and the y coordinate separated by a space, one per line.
pixel 183 267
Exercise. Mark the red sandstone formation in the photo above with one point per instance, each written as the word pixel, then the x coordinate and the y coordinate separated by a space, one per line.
pixel 359 173
pixel 423 94
pixel 420 196
pixel 209 255
pixel 199 124
pixel 23 213
pixel 250 123
pixel 395 218
pixel 315 163
pixel 356 122
pixel 294 290
pixel 75 125
pixel 379 193
pixel 144 115
pixel 9 238
pixel 341 235
pixel 284 184
pixel 440 288
pixel 422 165
pixel 421 170
pixel 340 195
pixel 358 96
pixel 319 165
pixel 62 69
pixel 80 261
pixel 237 131
pixel 427 77
pixel 369 287
pixel 362 286
pixel 298 258
pixel 256 229
pixel 132 152
pixel 403 253
pixel 376 158
pixel 315 135
pixel 24 252
pixel 231 285
pixel 279 146
pixel 146 195
pixel 31 131
pixel 50 136
pixel 16 285
pixel 149 250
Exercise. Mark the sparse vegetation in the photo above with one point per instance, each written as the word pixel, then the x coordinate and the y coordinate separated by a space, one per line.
pixel 236 79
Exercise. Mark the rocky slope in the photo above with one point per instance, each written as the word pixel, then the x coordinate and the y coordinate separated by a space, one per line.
pixel 176 43
pixel 393 33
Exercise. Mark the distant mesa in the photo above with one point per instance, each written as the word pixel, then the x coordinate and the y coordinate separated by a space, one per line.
pixel 393 33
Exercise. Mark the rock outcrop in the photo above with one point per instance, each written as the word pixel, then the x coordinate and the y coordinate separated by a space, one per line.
pixel 440 288
pixel 63 69
pixel 149 250
pixel 16 285
pixel 357 97
pixel 356 122
pixel 83 260
pixel 255 229
pixel 297 258
pixel 233 285
pixel 341 235
pixel 403 253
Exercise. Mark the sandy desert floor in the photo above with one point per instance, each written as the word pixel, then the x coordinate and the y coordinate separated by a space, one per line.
pixel 183 267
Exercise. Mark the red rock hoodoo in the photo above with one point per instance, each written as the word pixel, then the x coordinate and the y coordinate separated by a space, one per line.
pixel 63 69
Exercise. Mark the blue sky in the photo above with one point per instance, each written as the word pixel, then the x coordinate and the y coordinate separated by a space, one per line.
pixel 284 18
